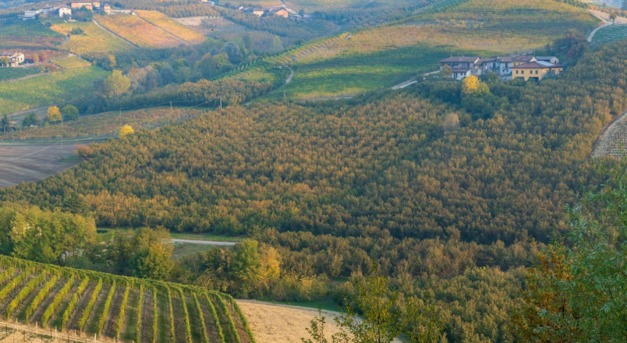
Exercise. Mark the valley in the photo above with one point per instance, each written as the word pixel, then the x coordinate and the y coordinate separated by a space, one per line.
pixel 423 171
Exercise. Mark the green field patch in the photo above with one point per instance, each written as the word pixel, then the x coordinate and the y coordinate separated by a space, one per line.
pixel 25 34
pixel 16 73
pixel 53 88
pixel 349 75
pixel 610 34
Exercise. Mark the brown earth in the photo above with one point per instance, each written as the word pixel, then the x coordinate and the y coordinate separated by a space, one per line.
pixel 272 323
pixel 21 162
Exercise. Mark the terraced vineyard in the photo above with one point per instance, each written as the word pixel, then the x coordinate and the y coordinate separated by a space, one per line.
pixel 128 309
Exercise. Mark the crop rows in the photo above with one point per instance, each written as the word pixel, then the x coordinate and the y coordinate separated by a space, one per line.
pixel 129 309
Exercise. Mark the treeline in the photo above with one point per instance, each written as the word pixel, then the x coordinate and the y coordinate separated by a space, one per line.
pixel 204 93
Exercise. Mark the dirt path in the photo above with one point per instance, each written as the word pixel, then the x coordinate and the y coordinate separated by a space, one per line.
pixel 272 323
pixel 613 139
pixel 194 241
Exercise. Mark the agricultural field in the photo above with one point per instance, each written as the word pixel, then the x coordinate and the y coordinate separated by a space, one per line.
pixel 145 34
pixel 348 75
pixel 71 62
pixel 610 34
pixel 107 124
pixel 93 40
pixel 171 26
pixel 17 73
pixel 128 309
pixel 47 89
pixel 20 162
pixel 28 34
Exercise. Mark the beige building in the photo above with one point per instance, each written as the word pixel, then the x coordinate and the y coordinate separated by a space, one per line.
pixel 535 70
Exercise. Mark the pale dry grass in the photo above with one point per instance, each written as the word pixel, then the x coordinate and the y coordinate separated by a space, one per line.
pixel 272 323
pixel 171 26
pixel 139 31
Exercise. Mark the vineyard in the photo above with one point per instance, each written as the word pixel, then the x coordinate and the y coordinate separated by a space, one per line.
pixel 610 34
pixel 171 26
pixel 146 34
pixel 110 306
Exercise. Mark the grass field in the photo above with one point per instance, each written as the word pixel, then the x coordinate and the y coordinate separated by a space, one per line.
pixel 16 73
pixel 71 62
pixel 93 40
pixel 107 124
pixel 28 34
pixel 610 34
pixel 171 26
pixel 119 307
pixel 48 89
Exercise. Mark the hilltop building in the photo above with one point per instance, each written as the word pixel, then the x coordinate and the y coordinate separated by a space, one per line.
pixel 536 70
pixel 12 60
pixel 463 66
pixel 65 12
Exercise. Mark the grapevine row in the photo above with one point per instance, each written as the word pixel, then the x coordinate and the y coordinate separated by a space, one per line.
pixel 214 314
pixel 11 285
pixel 90 305
pixel 229 319
pixel 70 308
pixel 105 312
pixel 138 324
pixel 155 317
pixel 24 292
pixel 188 326
pixel 121 317
pixel 40 296
pixel 57 300
pixel 205 335
pixel 242 318
pixel 170 305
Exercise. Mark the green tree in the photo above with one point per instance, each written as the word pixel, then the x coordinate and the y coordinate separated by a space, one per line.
pixel 577 293
pixel 246 265
pixel 5 123
pixel 69 112
pixel 54 114
pixel 116 84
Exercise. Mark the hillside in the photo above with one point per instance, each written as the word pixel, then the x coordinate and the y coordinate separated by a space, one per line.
pixel 116 307
pixel 386 55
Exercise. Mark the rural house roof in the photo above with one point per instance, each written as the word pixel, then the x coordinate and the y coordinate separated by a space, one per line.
pixel 523 58
pixel 461 59
pixel 537 65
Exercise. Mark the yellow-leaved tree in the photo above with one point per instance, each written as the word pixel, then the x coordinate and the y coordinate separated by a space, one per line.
pixel 54 114
pixel 125 131
pixel 472 85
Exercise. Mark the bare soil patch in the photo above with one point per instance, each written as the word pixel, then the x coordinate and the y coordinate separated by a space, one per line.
pixel 32 162
pixel 272 323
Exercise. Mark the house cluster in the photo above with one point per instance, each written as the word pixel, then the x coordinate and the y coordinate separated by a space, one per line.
pixel 511 67
pixel 13 60
pixel 278 11
pixel 66 11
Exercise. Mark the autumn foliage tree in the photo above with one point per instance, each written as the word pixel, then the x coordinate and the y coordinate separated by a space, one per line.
pixel 116 84
pixel 54 114
pixel 125 131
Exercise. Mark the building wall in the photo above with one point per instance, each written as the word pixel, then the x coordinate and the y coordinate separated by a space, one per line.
pixel 539 73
